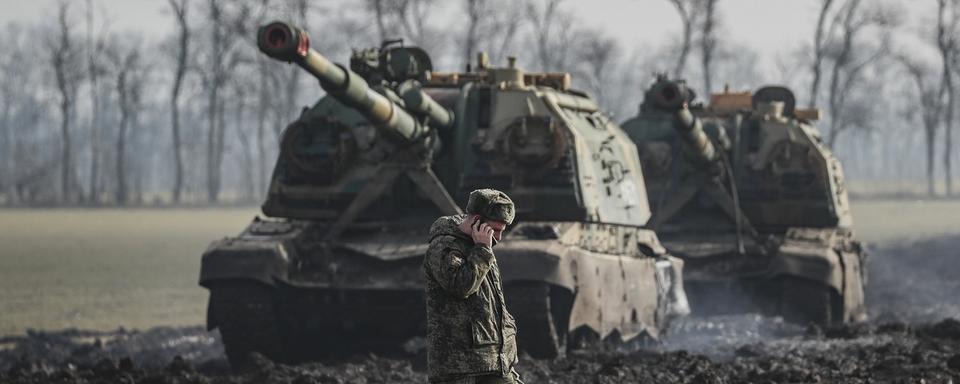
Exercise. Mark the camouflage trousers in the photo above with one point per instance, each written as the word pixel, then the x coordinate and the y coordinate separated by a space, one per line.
pixel 512 378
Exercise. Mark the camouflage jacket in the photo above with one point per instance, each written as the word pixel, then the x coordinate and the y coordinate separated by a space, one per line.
pixel 469 331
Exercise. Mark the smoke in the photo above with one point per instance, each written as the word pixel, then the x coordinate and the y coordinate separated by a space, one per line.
pixel 914 281
pixel 720 336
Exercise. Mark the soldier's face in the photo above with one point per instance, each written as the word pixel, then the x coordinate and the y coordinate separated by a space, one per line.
pixel 498 227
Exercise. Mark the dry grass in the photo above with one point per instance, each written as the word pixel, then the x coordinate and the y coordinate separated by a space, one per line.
pixel 101 269
pixel 138 268
pixel 885 221
pixel 898 187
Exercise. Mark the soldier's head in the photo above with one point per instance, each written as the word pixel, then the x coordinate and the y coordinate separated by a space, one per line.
pixel 493 207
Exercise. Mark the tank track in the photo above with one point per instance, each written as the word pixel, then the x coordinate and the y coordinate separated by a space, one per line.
pixel 537 327
pixel 244 313
pixel 798 300
pixel 804 301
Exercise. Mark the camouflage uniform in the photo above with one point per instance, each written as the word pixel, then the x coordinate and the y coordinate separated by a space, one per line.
pixel 471 336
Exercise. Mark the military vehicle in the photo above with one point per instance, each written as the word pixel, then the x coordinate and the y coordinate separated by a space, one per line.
pixel 335 264
pixel 745 191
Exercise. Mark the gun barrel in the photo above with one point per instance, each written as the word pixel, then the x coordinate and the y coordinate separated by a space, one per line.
pixel 671 94
pixel 419 101
pixel 691 131
pixel 285 42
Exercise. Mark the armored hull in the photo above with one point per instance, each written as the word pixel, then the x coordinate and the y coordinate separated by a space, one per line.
pixel 275 292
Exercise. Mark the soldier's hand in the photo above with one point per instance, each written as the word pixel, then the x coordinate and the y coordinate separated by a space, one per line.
pixel 482 234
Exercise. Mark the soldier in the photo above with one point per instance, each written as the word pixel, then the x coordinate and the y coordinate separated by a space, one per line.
pixel 471 336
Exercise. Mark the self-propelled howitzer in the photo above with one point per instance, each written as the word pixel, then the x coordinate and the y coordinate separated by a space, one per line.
pixel 362 174
pixel 744 190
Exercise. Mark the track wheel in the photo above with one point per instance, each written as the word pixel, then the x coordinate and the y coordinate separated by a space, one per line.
pixel 804 301
pixel 537 324
pixel 245 315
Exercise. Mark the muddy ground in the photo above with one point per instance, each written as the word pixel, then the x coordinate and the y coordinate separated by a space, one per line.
pixel 913 337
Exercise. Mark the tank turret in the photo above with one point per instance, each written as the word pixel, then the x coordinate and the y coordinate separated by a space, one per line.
pixel 328 148
pixel 675 96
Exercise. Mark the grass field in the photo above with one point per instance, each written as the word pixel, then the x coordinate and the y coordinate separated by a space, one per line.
pixel 882 221
pixel 105 268
pixel 137 268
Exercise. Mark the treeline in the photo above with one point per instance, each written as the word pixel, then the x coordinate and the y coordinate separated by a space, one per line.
pixel 92 115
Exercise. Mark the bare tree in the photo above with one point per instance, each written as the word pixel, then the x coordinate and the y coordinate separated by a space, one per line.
pixel 737 65
pixel 240 91
pixel 263 104
pixel 44 143
pixel 597 54
pixel 129 86
pixel 502 30
pixel 708 44
pixel 841 60
pixel 27 165
pixel 180 12
pixel 850 58
pixel 94 68
pixel 491 27
pixel 214 80
pixel 412 17
pixel 689 12
pixel 380 15
pixel 475 10
pixel 264 92
pixel 6 132
pixel 819 46
pixel 220 60
pixel 947 46
pixel 268 84
pixel 7 145
pixel 544 20
pixel 63 59
pixel 279 88
pixel 406 19
pixel 930 102
pixel 277 107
